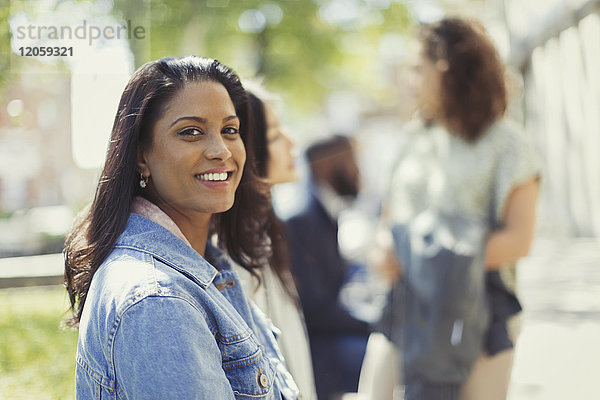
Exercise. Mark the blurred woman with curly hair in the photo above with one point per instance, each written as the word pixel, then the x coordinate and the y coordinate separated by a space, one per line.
pixel 463 165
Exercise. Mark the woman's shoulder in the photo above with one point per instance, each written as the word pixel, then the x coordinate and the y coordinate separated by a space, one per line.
pixel 125 275
pixel 506 133
pixel 128 276
pixel 122 280
pixel 514 144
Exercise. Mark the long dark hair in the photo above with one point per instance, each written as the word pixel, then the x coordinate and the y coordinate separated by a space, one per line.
pixel 279 260
pixel 473 89
pixel 240 230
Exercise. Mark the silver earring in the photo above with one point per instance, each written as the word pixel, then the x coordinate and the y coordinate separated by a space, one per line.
pixel 143 181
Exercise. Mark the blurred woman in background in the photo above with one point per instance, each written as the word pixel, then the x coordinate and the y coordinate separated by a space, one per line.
pixel 464 161
pixel 277 295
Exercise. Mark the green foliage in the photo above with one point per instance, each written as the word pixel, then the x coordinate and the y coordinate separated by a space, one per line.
pixel 299 55
pixel 303 50
pixel 4 43
pixel 37 356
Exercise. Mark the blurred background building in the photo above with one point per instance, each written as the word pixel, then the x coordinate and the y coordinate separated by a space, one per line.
pixel 36 165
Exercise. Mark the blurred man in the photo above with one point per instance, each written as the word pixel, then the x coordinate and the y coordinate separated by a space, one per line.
pixel 337 338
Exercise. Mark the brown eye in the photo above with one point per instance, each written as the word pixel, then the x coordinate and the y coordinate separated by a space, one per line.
pixel 191 132
pixel 230 130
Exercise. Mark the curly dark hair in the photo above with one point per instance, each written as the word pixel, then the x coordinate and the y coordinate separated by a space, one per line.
pixel 473 89
pixel 241 230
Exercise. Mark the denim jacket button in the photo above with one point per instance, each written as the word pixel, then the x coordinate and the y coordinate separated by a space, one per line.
pixel 263 380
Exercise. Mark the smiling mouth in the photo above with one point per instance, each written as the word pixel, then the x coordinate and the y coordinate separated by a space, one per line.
pixel 215 176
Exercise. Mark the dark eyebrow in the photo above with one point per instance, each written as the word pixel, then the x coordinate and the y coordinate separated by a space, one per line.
pixel 197 119
pixel 202 120
pixel 226 119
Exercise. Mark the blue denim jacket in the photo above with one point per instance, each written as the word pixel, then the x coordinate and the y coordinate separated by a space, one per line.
pixel 161 322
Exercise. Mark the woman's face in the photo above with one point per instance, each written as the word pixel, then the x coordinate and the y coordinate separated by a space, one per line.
pixel 280 164
pixel 428 87
pixel 196 159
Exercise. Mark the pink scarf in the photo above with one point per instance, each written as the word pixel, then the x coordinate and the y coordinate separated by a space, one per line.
pixel 151 211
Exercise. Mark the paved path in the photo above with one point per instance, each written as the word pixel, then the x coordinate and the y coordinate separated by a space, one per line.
pixel 558 354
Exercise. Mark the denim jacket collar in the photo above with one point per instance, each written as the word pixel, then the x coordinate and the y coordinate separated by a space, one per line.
pixel 149 237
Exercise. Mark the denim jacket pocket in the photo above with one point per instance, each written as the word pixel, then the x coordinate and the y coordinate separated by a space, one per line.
pixel 249 371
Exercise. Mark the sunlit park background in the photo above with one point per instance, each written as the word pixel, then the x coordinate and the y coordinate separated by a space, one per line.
pixel 340 66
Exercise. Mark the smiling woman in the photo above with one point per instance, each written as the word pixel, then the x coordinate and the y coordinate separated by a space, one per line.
pixel 143 276
pixel 194 159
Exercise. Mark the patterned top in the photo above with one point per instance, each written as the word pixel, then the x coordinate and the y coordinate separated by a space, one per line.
pixel 440 170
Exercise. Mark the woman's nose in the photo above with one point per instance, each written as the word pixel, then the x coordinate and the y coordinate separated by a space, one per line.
pixel 217 149
pixel 290 142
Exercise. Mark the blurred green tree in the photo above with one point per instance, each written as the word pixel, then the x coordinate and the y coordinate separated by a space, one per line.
pixel 301 48
pixel 5 50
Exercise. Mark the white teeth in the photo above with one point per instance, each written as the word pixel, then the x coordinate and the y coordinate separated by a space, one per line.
pixel 222 176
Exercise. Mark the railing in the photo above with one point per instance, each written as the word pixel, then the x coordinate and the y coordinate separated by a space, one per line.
pixel 40 270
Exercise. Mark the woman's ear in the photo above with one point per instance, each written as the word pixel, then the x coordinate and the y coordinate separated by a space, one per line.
pixel 142 161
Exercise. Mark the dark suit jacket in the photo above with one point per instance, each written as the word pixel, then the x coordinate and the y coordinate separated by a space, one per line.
pixel 320 271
